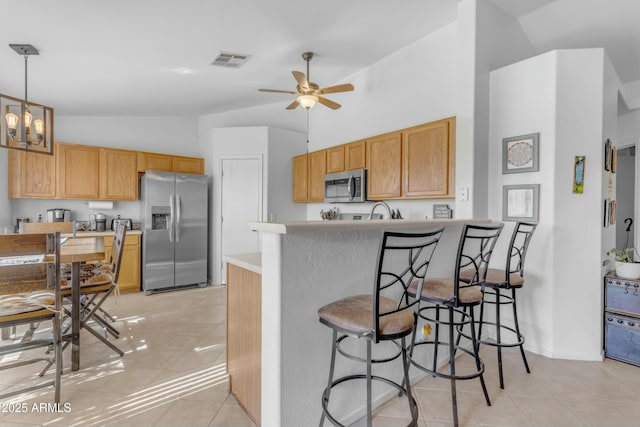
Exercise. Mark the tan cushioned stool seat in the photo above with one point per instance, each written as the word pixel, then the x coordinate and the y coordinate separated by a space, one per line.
pixel 356 314
pixel 441 290
pixel 495 278
pixel 18 306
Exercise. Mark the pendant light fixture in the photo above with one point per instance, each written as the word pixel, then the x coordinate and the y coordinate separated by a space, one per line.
pixel 25 125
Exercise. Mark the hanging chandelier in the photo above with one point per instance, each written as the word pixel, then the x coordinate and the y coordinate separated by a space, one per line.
pixel 25 125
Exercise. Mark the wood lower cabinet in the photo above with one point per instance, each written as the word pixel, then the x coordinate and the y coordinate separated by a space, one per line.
pixel 317 171
pixel 31 175
pixel 129 280
pixel 244 338
pixel 118 174
pixel 428 160
pixel 384 166
pixel 355 155
pixel 300 179
pixel 77 171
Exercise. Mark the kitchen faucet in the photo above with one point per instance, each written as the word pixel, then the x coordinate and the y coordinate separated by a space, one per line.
pixel 386 206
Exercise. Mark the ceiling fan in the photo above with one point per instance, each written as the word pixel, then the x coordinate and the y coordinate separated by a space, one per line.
pixel 309 92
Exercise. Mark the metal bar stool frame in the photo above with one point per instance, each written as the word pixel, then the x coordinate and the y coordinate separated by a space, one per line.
pixel 419 249
pixel 511 278
pixel 474 252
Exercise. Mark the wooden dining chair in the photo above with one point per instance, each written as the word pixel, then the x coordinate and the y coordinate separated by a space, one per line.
pixel 97 282
pixel 30 293
pixel 47 227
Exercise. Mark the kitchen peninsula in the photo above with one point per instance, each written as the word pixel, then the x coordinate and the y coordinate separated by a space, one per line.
pixel 304 266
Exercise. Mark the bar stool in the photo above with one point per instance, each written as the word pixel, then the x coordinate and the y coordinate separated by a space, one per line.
pixel 451 294
pixel 509 278
pixel 386 315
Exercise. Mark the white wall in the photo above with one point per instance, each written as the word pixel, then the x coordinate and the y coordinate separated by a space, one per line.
pixel 5 208
pixel 488 38
pixel 276 147
pixel 568 97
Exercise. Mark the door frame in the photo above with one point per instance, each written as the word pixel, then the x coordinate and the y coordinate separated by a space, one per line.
pixel 634 142
pixel 258 157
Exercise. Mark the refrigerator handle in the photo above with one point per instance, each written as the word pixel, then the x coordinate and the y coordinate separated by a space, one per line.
pixel 172 210
pixel 178 217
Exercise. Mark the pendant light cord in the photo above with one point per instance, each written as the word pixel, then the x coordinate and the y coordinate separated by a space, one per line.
pixel 26 58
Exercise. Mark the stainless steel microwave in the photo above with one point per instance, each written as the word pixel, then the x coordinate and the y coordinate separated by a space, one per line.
pixel 346 187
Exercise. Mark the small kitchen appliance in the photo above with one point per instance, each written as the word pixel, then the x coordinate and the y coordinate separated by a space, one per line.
pixel 58 215
pixel 101 222
pixel 20 224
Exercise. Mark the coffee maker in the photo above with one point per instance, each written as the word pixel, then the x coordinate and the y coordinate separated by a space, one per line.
pixel 101 222
pixel 58 215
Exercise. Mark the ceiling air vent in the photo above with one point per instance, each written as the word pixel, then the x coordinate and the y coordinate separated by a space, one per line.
pixel 232 60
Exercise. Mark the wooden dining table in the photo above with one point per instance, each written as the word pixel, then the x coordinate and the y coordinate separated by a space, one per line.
pixel 75 251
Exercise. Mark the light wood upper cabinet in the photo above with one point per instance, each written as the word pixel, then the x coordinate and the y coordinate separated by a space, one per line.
pixel 193 165
pixel 335 159
pixel 31 175
pixel 354 155
pixel 300 182
pixel 118 174
pixel 384 166
pixel 77 170
pixel 168 163
pixel 155 162
pixel 317 171
pixel 428 158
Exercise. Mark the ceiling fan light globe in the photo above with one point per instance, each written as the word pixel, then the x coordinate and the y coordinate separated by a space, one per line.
pixel 307 101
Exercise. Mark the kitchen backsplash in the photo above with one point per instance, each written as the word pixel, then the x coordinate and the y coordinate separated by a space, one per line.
pixel 80 211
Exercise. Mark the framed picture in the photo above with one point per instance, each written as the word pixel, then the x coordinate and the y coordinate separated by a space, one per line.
pixel 520 153
pixel 578 174
pixel 608 155
pixel 520 202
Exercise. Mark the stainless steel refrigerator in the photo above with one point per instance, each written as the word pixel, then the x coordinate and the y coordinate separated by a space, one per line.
pixel 174 250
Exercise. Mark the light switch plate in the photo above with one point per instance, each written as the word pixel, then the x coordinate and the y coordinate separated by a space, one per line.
pixel 463 194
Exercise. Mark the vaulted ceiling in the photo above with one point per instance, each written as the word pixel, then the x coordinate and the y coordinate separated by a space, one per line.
pixel 152 57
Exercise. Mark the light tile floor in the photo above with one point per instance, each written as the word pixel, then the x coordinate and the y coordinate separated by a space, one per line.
pixel 173 374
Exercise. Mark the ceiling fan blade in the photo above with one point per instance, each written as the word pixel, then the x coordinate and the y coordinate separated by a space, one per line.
pixel 301 79
pixel 328 103
pixel 293 105
pixel 277 91
pixel 335 89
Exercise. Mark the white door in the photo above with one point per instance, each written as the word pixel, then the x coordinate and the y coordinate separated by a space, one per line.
pixel 241 203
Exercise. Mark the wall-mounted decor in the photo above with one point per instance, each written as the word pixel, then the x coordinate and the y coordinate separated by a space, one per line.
pixel 608 154
pixel 614 159
pixel 612 212
pixel 605 222
pixel 520 202
pixel 578 174
pixel 520 153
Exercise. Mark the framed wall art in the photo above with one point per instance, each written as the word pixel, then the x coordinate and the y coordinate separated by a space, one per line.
pixel 520 153
pixel 520 202
pixel 578 174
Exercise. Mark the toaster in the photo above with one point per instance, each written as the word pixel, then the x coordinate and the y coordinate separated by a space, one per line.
pixel 127 222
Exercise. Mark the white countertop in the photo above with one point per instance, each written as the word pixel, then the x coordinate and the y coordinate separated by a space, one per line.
pixel 251 261
pixel 338 226
pixel 108 233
